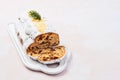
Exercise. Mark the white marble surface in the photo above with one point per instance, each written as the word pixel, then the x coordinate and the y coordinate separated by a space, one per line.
pixel 91 29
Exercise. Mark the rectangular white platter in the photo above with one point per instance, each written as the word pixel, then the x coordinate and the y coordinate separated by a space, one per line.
pixel 32 64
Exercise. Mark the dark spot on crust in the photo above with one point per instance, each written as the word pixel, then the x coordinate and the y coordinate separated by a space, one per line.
pixel 54 44
pixel 50 33
pixel 37 47
pixel 43 42
pixel 40 38
pixel 52 49
pixel 34 52
pixel 47 37
pixel 32 48
pixel 51 58
pixel 31 54
pixel 44 59
pixel 40 51
pixel 59 47
pixel 50 39
pixel 55 57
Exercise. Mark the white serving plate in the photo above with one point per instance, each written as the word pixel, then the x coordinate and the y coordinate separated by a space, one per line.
pixel 32 64
pixel 25 27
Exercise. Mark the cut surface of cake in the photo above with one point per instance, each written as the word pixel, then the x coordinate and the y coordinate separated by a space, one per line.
pixel 48 39
pixel 51 53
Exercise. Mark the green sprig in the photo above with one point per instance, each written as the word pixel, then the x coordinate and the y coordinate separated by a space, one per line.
pixel 34 14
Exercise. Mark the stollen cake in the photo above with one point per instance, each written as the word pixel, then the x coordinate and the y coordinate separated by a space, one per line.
pixel 48 39
pixel 46 47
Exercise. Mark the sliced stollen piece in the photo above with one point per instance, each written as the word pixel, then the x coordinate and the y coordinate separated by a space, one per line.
pixel 34 49
pixel 42 41
pixel 48 39
pixel 51 55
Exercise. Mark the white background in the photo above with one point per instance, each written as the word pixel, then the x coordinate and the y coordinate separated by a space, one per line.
pixel 91 29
